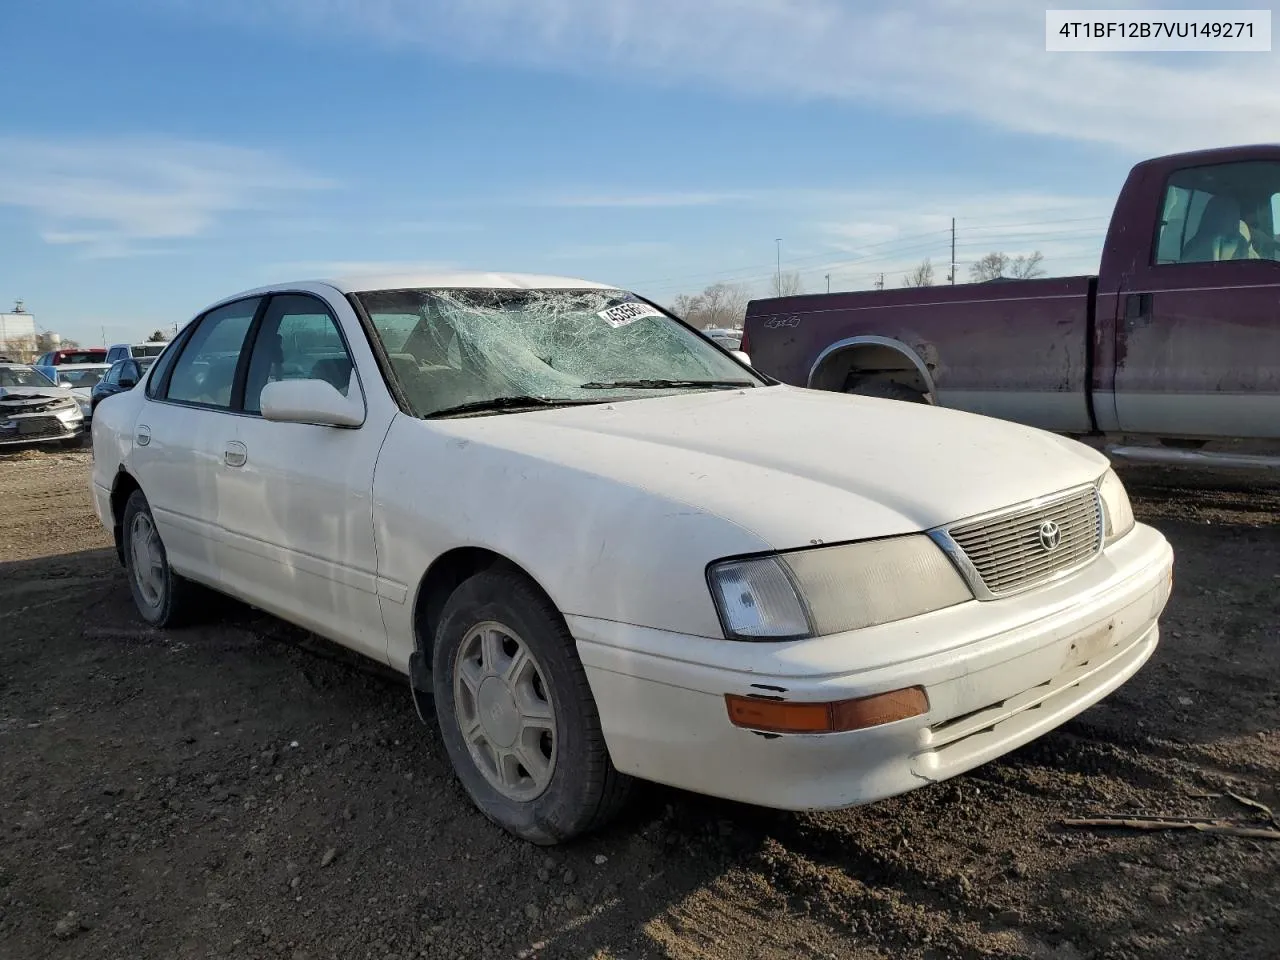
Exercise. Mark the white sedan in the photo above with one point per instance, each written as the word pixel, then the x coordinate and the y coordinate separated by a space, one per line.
pixel 601 547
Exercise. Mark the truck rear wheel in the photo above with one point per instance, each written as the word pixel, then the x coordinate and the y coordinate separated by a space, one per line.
pixel 886 390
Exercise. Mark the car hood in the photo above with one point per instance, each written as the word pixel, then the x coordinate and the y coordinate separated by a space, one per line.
pixel 798 466
pixel 32 393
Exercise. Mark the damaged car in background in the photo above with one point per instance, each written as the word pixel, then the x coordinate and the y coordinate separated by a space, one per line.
pixel 36 410
pixel 601 547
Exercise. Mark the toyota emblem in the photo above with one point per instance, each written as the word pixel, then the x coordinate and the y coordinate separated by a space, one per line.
pixel 1050 535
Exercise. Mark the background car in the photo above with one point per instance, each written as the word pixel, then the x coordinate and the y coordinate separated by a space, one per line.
pixel 80 379
pixel 123 351
pixel 120 376
pixel 48 363
pixel 35 409
pixel 729 339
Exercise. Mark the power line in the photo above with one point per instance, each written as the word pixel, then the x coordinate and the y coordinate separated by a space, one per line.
pixel 996 228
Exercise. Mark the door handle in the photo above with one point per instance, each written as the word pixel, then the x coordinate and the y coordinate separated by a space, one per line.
pixel 236 454
pixel 142 435
pixel 1137 309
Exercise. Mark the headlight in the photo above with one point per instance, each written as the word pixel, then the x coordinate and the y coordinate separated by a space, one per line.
pixel 813 593
pixel 1116 511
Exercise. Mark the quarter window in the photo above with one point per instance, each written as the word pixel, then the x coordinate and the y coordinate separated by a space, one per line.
pixel 298 340
pixel 205 373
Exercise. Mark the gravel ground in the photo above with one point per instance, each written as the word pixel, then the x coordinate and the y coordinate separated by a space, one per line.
pixel 245 790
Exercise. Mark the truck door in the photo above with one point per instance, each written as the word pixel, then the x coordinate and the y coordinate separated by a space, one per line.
pixel 1198 328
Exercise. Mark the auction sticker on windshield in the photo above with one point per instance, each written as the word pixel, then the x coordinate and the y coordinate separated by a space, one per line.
pixel 625 313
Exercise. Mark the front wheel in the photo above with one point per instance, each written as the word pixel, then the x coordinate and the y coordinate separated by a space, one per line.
pixel 516 714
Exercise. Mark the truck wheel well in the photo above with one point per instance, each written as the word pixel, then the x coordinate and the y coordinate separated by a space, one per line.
pixel 846 365
pixel 445 575
pixel 121 491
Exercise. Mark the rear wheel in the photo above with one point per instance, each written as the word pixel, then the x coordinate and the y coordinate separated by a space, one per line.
pixel 163 598
pixel 886 390
pixel 516 713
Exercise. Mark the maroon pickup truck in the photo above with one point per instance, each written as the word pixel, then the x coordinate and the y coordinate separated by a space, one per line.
pixel 1177 338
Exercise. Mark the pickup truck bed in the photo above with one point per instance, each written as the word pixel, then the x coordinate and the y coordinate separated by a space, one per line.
pixel 1016 350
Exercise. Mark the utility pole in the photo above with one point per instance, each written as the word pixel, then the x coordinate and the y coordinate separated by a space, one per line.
pixel 104 337
pixel 828 283
pixel 880 281
pixel 777 279
pixel 953 250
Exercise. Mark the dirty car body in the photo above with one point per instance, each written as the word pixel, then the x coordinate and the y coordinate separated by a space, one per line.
pixel 601 548
pixel 34 409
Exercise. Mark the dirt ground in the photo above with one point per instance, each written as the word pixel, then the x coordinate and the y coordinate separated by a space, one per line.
pixel 244 790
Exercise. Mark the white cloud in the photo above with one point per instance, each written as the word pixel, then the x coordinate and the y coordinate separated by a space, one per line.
pixel 124 197
pixel 984 62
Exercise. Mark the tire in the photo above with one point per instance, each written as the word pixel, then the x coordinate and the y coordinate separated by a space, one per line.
pixel 886 390
pixel 163 598
pixel 563 784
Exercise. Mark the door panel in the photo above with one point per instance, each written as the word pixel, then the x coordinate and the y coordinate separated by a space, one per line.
pixel 1202 361
pixel 176 461
pixel 296 520
pixel 180 434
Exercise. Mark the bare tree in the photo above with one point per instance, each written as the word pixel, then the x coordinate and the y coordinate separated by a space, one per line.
pixel 724 304
pixel 684 306
pixel 1027 267
pixel 990 267
pixel 719 305
pixel 996 265
pixel 787 284
pixel 921 276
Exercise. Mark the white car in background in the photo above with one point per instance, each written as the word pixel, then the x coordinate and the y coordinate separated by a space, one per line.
pixel 600 548
pixel 80 379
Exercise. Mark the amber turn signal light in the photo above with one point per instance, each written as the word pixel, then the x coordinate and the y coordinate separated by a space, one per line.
pixel 782 716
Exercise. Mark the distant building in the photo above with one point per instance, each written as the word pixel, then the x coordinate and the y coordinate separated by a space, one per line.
pixel 18 339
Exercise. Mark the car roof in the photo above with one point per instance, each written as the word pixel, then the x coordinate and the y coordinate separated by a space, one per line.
pixel 85 366
pixel 440 279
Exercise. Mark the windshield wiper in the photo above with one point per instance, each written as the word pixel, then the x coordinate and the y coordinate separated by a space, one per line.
pixel 505 403
pixel 665 384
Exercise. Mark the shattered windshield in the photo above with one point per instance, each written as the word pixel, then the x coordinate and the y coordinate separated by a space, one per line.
pixel 23 376
pixel 450 348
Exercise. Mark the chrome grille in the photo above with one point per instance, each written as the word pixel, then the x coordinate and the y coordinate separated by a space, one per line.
pixel 1010 551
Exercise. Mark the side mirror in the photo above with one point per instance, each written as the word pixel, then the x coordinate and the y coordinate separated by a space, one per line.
pixel 312 401
pixel 741 357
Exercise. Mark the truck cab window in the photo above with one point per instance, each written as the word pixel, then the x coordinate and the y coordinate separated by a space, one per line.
pixel 1220 212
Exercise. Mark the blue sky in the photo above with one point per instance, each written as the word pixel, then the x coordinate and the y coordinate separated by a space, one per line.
pixel 158 154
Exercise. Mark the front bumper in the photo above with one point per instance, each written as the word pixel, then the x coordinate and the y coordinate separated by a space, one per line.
pixel 48 427
pixel 998 674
